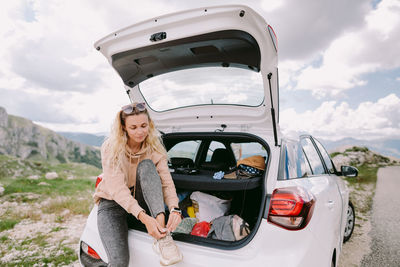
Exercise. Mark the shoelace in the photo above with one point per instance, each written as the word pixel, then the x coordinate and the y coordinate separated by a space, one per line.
pixel 167 245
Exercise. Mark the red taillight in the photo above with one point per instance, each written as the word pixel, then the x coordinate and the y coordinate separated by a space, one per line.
pixel 98 180
pixel 89 251
pixel 291 208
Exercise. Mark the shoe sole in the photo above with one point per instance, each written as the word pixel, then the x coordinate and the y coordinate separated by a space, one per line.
pixel 172 262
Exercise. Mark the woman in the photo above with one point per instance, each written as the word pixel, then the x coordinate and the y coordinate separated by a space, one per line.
pixel 136 180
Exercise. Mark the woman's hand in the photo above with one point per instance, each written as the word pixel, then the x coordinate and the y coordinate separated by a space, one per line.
pixel 173 221
pixel 154 228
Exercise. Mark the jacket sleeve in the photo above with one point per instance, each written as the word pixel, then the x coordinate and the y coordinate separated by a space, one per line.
pixel 168 186
pixel 114 185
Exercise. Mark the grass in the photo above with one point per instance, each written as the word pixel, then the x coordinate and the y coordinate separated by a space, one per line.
pixel 74 205
pixel 39 240
pixel 56 229
pixel 6 224
pixel 8 219
pixel 56 187
pixel 11 167
pixel 60 255
pixel 366 174
pixel 14 175
pixel 364 182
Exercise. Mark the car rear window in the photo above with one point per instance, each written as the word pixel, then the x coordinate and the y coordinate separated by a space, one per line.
pixel 204 85
pixel 186 149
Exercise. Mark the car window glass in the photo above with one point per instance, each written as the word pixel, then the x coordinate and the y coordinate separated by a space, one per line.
pixel 325 156
pixel 213 146
pixel 312 155
pixel 244 150
pixel 295 164
pixel 186 149
pixel 201 86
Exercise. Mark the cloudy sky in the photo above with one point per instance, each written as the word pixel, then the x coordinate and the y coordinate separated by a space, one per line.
pixel 339 62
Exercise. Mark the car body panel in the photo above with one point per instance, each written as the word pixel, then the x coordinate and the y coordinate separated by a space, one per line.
pixel 273 250
pixel 326 214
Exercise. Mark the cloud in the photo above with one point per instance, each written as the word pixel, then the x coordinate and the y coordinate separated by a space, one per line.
pixel 40 50
pixel 333 120
pixel 306 28
pixel 356 53
pixel 37 107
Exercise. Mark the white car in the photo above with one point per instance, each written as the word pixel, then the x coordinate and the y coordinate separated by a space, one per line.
pixel 209 78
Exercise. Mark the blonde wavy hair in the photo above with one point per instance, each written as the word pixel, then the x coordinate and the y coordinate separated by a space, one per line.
pixel 118 138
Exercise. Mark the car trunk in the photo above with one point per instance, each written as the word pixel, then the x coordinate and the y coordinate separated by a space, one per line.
pixel 246 195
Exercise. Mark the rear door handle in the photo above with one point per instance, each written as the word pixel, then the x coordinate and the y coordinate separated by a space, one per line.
pixel 330 204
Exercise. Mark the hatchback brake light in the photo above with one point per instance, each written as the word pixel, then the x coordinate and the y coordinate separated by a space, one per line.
pixel 98 180
pixel 291 207
pixel 89 251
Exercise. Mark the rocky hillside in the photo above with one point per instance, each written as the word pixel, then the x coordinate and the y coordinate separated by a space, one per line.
pixel 357 156
pixel 22 138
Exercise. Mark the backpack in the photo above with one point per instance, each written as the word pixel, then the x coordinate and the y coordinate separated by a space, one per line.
pixel 229 228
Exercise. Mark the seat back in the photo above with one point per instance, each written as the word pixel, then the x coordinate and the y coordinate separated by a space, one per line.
pixel 221 160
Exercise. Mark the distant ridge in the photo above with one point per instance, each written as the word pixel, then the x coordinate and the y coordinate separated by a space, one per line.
pixel 387 147
pixel 85 138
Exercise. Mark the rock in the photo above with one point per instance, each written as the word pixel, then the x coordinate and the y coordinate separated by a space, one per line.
pixel 51 175
pixel 3 117
pixel 70 177
pixel 43 183
pixel 357 156
pixel 33 177
pixel 1 190
pixel 65 212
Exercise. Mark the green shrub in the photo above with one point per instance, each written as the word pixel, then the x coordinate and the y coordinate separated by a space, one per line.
pixel 357 149
pixel 334 154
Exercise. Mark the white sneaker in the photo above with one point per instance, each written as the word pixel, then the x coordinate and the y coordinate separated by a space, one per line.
pixel 168 250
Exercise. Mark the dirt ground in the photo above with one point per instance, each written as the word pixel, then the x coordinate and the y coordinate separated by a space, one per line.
pixel 359 244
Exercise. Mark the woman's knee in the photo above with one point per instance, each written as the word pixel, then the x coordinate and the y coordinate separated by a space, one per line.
pixel 146 168
pixel 146 165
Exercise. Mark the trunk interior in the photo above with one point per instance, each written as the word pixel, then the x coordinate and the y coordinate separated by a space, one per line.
pixel 194 160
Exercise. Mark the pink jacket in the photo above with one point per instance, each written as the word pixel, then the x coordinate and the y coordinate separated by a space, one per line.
pixel 113 186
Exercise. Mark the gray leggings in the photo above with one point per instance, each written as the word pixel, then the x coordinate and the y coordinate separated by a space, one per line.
pixel 112 218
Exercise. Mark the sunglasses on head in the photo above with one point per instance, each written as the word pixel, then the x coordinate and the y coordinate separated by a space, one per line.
pixel 129 109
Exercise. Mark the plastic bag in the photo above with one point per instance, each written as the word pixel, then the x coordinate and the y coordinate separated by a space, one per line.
pixel 201 229
pixel 208 207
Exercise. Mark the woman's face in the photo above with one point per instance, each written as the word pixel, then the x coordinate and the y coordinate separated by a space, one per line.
pixel 137 127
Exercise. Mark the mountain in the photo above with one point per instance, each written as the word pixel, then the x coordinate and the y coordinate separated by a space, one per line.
pixel 85 138
pixel 387 147
pixel 22 138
